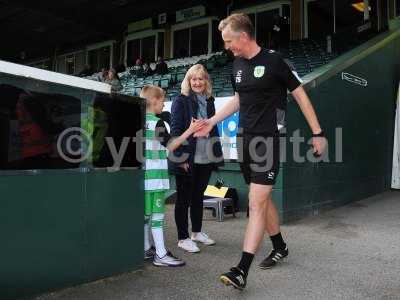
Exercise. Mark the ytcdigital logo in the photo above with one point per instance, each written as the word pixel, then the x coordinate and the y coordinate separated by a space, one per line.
pixel 239 76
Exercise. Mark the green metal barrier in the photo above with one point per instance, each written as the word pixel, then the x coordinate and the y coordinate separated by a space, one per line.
pixel 354 99
pixel 63 223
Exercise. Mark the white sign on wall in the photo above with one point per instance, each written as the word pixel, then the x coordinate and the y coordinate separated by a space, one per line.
pixel 190 13
pixel 162 19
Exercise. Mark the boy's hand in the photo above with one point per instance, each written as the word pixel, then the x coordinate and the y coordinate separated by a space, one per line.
pixel 185 166
pixel 196 125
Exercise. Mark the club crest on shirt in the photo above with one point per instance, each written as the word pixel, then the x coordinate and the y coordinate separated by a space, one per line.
pixel 259 71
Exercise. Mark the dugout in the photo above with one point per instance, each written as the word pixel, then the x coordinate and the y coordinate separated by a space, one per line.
pixel 66 221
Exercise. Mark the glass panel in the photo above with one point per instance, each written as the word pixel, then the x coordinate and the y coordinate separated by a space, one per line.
pixel 38 122
pixel 104 57
pixel 148 49
pixel 61 64
pixel 80 58
pixel 100 58
pixel 115 117
pixel 70 64
pixel 133 52
pixel 397 3
pixel 384 15
pixel 161 44
pixel 217 43
pixel 181 43
pixel 373 14
pixel 93 60
pixel 349 15
pixel 320 19
pixel 199 40
pixel 266 36
pixel 30 123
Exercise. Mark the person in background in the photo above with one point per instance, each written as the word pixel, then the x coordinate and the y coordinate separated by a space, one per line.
pixel 113 80
pixel 147 71
pixel 156 181
pixel 36 130
pixel 137 69
pixel 161 66
pixel 279 32
pixel 103 75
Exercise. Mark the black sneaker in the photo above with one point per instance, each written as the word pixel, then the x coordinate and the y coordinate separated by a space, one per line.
pixel 235 277
pixel 273 258
pixel 150 253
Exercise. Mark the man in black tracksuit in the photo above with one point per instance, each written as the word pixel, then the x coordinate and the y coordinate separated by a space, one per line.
pixel 261 79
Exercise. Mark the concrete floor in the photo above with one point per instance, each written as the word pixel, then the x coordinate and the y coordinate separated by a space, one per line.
pixel 348 253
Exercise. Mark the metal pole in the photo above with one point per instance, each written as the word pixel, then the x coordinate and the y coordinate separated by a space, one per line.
pixel 334 16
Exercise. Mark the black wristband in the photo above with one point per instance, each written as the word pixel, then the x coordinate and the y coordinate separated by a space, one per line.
pixel 321 134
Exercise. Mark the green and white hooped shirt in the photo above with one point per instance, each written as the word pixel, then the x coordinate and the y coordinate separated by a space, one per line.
pixel 156 165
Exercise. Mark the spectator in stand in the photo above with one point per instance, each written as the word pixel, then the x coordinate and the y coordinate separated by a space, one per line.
pixel 147 71
pixel 161 66
pixel 113 80
pixel 279 32
pixel 87 71
pixel 103 75
pixel 138 68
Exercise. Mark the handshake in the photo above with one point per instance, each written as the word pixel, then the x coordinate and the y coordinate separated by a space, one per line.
pixel 200 127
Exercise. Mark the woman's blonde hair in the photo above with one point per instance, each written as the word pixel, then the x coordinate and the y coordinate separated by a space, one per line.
pixel 199 70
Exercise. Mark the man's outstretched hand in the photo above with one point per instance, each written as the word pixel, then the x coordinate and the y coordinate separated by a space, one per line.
pixel 204 130
pixel 319 145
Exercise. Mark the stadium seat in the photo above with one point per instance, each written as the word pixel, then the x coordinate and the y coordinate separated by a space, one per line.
pixel 180 77
pixel 164 83
pixel 224 93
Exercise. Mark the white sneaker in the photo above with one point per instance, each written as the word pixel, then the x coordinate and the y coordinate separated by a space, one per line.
pixel 202 238
pixel 188 245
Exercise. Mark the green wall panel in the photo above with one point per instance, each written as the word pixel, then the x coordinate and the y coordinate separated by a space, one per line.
pixel 365 115
pixel 64 229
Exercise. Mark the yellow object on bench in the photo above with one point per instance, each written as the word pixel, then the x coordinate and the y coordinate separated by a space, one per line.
pixel 212 191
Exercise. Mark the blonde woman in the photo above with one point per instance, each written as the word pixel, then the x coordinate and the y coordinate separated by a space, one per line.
pixel 193 162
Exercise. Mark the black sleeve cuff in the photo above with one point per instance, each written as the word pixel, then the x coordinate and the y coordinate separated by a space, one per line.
pixel 321 134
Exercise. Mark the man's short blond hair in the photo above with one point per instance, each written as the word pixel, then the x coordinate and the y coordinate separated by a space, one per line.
pixel 238 23
pixel 150 92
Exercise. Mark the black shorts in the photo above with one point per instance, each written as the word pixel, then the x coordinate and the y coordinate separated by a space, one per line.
pixel 259 158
